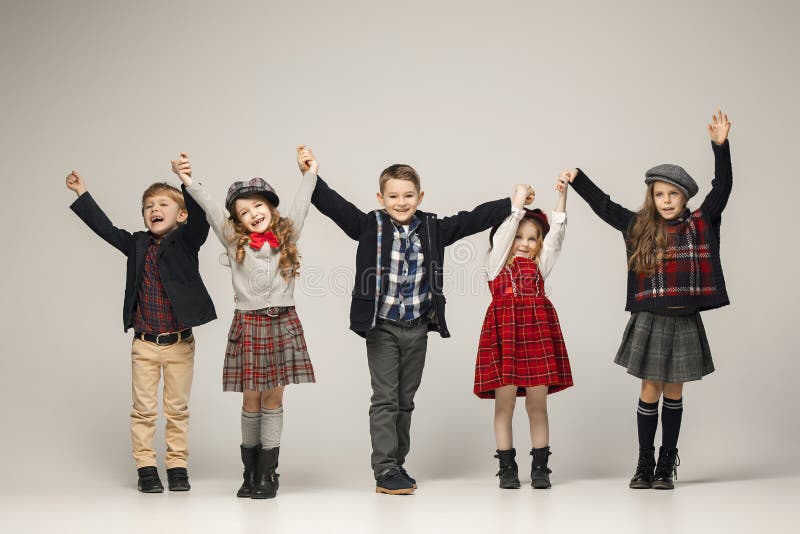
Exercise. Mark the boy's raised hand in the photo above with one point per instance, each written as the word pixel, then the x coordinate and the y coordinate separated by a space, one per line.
pixel 523 194
pixel 76 183
pixel 564 179
pixel 183 169
pixel 719 127
pixel 306 160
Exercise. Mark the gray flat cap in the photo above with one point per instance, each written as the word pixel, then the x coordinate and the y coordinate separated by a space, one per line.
pixel 672 174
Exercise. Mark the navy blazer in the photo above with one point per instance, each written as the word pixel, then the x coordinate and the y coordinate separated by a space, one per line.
pixel 178 264
pixel 435 234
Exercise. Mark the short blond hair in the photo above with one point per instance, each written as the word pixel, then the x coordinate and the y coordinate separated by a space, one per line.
pixel 163 188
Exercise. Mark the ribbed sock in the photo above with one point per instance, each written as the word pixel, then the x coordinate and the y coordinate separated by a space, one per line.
pixel 671 415
pixel 271 427
pixel 251 428
pixel 647 423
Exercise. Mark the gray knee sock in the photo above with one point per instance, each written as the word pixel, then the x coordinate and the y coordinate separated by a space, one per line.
pixel 251 427
pixel 271 427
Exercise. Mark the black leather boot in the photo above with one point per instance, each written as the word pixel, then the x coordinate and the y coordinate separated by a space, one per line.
pixel 666 467
pixel 178 479
pixel 643 477
pixel 149 482
pixel 266 480
pixel 509 472
pixel 540 473
pixel 249 459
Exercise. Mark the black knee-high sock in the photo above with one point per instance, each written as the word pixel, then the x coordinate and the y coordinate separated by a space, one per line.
pixel 671 414
pixel 647 422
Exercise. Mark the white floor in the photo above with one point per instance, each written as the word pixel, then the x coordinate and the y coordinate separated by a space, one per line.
pixel 464 506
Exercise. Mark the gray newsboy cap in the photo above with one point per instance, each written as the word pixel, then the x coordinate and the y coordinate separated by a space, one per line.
pixel 250 187
pixel 672 174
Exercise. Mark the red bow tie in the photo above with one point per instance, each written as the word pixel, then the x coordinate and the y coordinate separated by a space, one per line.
pixel 257 240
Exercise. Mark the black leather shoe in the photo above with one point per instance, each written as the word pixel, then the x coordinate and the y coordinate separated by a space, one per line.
pixel 540 473
pixel 266 479
pixel 394 483
pixel 643 477
pixel 408 477
pixel 509 471
pixel 249 459
pixel 667 466
pixel 149 481
pixel 178 479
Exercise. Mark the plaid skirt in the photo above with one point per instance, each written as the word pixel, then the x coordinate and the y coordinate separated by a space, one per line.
pixel 521 345
pixel 666 348
pixel 264 352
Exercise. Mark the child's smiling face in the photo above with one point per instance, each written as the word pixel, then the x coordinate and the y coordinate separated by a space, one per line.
pixel 162 214
pixel 254 213
pixel 527 241
pixel 400 198
pixel 669 200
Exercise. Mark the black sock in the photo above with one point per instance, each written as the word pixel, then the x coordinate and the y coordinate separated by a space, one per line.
pixel 671 414
pixel 647 422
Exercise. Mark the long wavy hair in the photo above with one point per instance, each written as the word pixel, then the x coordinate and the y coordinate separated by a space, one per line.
pixel 283 228
pixel 647 239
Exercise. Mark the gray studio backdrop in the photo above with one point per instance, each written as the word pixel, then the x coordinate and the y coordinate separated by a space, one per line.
pixel 477 97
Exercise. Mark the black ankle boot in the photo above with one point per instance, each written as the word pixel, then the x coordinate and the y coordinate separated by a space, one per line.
pixel 643 477
pixel 178 479
pixel 540 473
pixel 509 472
pixel 668 462
pixel 149 482
pixel 266 479
pixel 249 459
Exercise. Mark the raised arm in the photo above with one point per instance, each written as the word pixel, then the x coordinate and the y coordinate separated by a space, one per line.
pixel 346 216
pixel 608 210
pixel 298 211
pixel 215 213
pixel 196 228
pixel 551 247
pixel 90 213
pixel 466 223
pixel 503 238
pixel 721 185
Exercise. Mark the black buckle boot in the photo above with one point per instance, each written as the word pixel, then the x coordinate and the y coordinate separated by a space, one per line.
pixel 643 477
pixel 266 479
pixel 667 466
pixel 540 473
pixel 249 460
pixel 178 479
pixel 149 482
pixel 509 472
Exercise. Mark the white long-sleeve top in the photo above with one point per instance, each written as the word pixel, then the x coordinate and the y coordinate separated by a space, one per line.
pixel 257 282
pixel 504 239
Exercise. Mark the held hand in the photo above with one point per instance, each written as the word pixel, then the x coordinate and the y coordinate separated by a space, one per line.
pixel 306 160
pixel 76 183
pixel 562 183
pixel 183 169
pixel 523 194
pixel 719 127
pixel 568 175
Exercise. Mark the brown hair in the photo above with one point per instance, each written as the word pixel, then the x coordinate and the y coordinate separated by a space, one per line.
pixel 282 227
pixel 539 240
pixel 647 239
pixel 399 171
pixel 163 188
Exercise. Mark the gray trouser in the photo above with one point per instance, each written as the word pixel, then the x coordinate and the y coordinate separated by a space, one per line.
pixel 396 356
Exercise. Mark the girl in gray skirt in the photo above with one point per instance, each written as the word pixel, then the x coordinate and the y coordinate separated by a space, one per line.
pixel 674 273
pixel 266 348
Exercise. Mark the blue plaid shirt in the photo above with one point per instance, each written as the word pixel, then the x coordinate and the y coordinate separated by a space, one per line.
pixel 407 295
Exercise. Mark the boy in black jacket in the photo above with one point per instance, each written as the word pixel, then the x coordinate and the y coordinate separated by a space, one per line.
pixel 395 303
pixel 164 299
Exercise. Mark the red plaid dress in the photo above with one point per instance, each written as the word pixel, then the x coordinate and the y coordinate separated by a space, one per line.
pixel 521 342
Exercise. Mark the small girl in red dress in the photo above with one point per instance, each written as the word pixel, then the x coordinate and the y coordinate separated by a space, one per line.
pixel 521 351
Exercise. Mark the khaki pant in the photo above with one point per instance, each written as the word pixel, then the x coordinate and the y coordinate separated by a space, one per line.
pixel 147 362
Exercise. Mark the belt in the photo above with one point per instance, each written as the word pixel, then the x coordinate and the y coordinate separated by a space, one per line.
pixel 404 324
pixel 274 311
pixel 170 338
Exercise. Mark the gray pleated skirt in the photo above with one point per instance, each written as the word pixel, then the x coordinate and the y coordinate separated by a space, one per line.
pixel 665 348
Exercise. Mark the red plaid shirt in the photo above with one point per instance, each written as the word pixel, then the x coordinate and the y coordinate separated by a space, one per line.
pixel 153 313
